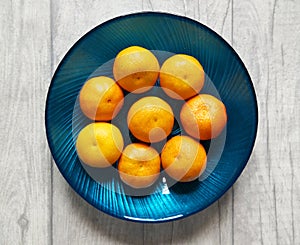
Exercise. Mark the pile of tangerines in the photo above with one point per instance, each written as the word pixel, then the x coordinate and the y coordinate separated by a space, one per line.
pixel 150 119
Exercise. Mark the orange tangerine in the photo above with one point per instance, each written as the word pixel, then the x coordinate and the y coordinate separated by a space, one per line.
pixel 181 76
pixel 99 144
pixel 136 69
pixel 139 165
pixel 183 158
pixel 203 116
pixel 150 119
pixel 101 98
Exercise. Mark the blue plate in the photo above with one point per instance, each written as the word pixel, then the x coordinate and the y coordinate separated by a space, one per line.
pixel 226 78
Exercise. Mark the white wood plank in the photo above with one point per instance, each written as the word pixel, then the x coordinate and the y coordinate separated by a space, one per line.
pixel 213 225
pixel 201 228
pixel 266 35
pixel 74 221
pixel 25 159
pixel 84 15
pixel 266 197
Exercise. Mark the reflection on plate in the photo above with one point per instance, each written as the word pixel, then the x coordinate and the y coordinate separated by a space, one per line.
pixel 226 78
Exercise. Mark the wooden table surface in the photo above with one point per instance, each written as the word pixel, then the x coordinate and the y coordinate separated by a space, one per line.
pixel 36 204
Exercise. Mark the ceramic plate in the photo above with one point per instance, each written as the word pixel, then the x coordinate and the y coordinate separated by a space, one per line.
pixel 164 34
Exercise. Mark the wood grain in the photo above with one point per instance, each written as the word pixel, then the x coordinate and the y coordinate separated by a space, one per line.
pixel 75 221
pixel 266 37
pixel 202 227
pixel 213 225
pixel 25 159
pixel 36 204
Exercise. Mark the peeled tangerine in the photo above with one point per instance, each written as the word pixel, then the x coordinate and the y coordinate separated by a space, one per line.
pixel 183 158
pixel 139 165
pixel 99 144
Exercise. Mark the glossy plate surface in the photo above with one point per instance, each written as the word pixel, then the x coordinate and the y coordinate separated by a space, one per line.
pixel 164 33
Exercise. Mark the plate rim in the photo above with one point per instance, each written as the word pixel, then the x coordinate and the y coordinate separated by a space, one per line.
pixel 251 87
